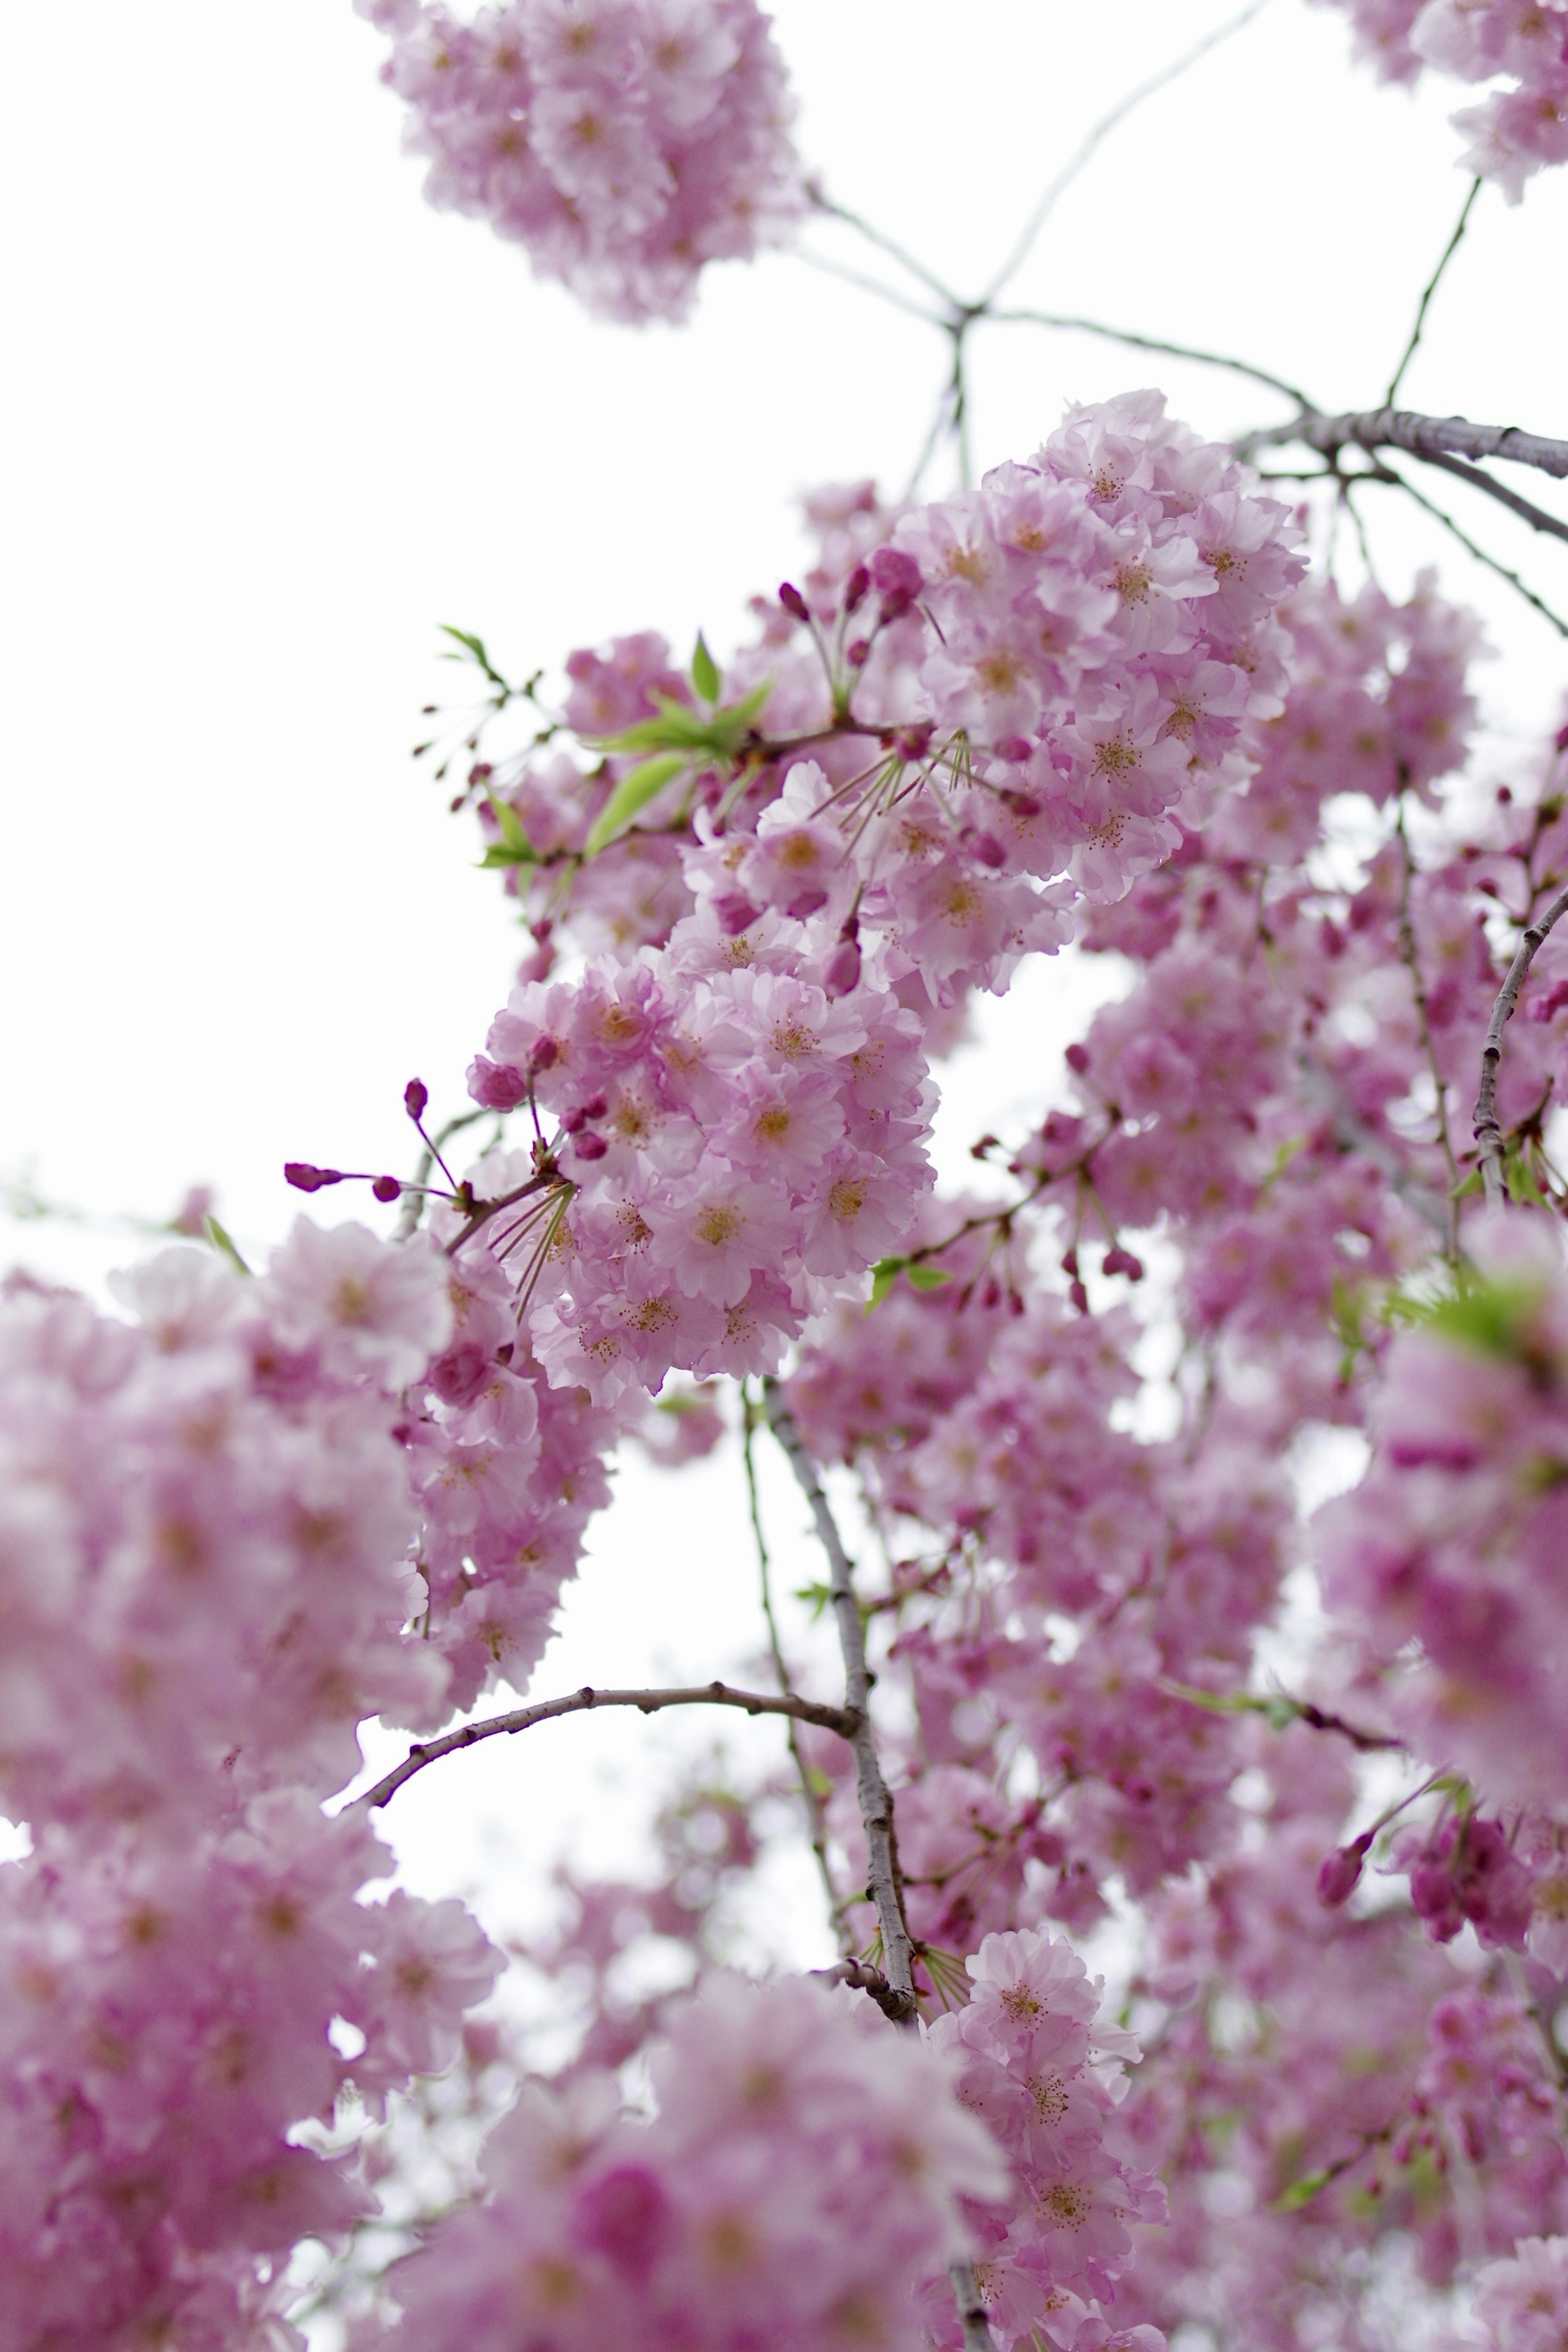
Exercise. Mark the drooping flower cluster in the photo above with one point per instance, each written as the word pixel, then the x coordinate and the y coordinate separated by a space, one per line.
pixel 801 2178
pixel 624 142
pixel 204 1583
pixel 1513 132
pixel 1453 1542
pixel 1041 2068
pixel 740 1147
pixel 1009 697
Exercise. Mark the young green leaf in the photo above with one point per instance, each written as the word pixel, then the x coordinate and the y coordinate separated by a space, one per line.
pixel 927 1277
pixel 884 1273
pixel 1301 2192
pixel 705 672
pixel 224 1245
pixel 633 792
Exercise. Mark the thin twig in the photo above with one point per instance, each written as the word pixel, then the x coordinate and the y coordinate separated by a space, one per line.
pixel 1154 343
pixel 868 285
pixel 1392 394
pixel 842 1720
pixel 815 1814
pixel 1424 1030
pixel 1526 508
pixel 1489 1134
pixel 875 1798
pixel 414 1196
pixel 896 252
pixel 1428 505
pixel 1417 434
pixel 1084 154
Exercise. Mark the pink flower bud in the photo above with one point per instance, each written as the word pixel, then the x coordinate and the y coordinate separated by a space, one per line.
pixel 387 1188
pixel 1077 1058
pixel 794 602
pixel 1079 1297
pixel 589 1146
pixel 855 588
pixel 1339 1873
pixel 843 972
pixel 858 654
pixel 306 1179
pixel 894 573
pixel 415 1098
pixel 734 911
pixel 1014 749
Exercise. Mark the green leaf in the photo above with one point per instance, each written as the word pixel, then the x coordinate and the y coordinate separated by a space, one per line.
pixel 223 1243
pixel 884 1273
pixel 1468 1186
pixel 514 848
pixel 632 792
pixel 474 647
pixel 816 1596
pixel 927 1277
pixel 679 727
pixel 705 672
pixel 1301 2192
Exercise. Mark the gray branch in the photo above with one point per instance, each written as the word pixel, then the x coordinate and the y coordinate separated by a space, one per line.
pixel 1420 436
pixel 842 1720
pixel 977 2335
pixel 875 1798
pixel 1489 1134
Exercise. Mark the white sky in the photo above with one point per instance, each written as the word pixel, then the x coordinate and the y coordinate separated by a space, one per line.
pixel 270 420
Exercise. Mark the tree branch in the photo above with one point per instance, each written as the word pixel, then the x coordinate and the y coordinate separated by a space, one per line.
pixel 1420 436
pixel 1397 378
pixel 977 2335
pixel 815 1811
pixel 1085 153
pixel 870 1787
pixel 1381 473
pixel 1528 511
pixel 843 1720
pixel 1155 343
pixel 1489 1134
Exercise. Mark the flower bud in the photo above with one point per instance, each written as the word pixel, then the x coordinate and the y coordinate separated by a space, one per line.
pixel 589 1146
pixel 855 588
pixel 414 1097
pixel 794 602
pixel 306 1179
pixel 387 1188
pixel 1339 1873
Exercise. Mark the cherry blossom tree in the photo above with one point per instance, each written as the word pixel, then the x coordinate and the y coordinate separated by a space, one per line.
pixel 1106 1698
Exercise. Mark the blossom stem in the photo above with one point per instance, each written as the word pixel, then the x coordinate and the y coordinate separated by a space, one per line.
pixel 1489 1134
pixel 809 1796
pixel 977 2335
pixel 871 1789
pixel 840 1720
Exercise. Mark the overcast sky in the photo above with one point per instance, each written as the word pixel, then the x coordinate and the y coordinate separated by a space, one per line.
pixel 270 420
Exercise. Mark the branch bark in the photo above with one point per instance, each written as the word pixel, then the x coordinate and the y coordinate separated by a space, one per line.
pixel 1489 1134
pixel 875 1797
pixel 580 1702
pixel 1421 437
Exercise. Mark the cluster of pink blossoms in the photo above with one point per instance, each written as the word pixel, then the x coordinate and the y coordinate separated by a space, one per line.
pixel 741 1146
pixel 204 1583
pixel 1524 2303
pixel 1517 131
pixel 1009 697
pixel 1455 1539
pixel 1037 2063
pixel 624 142
pixel 804 2175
